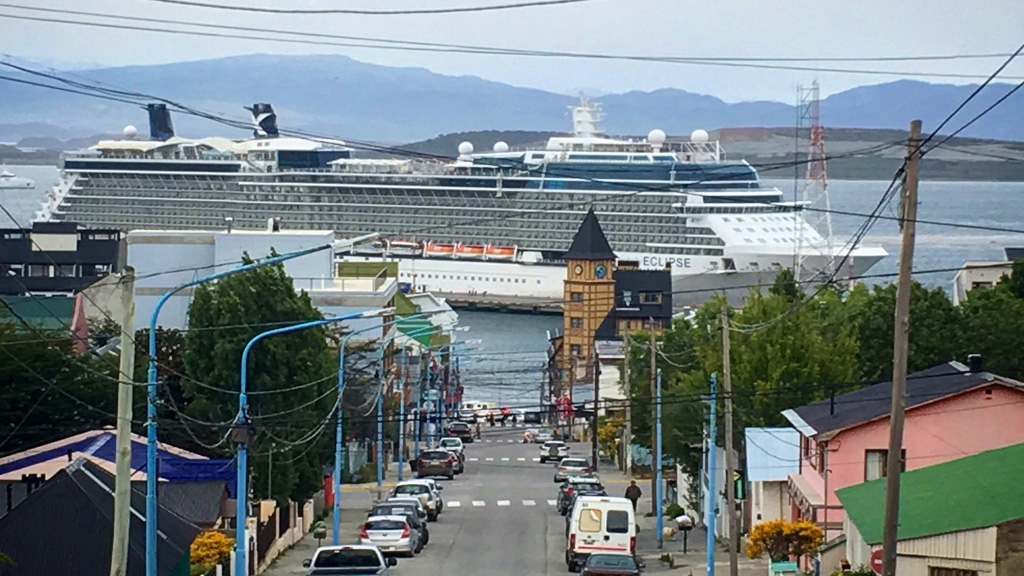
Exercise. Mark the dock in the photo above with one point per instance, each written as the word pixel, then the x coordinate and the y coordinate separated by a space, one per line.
pixel 500 303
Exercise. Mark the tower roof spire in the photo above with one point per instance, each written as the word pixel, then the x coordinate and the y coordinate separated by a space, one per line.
pixel 590 242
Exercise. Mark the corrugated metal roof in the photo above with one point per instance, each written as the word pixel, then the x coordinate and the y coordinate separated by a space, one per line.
pixel 772 454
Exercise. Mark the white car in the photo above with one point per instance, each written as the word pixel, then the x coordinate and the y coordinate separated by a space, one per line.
pixel 553 451
pixel 453 444
pixel 367 559
pixel 602 524
pixel 427 491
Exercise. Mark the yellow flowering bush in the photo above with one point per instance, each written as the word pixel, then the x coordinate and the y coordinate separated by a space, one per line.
pixel 780 539
pixel 210 548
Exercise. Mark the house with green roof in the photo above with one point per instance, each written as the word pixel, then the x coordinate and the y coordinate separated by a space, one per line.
pixel 48 313
pixel 964 517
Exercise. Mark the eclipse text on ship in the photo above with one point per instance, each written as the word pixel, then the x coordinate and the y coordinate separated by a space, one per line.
pixel 663 261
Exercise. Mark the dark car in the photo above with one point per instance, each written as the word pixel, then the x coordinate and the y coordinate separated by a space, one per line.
pixel 460 430
pixel 436 463
pixel 409 511
pixel 573 485
pixel 612 565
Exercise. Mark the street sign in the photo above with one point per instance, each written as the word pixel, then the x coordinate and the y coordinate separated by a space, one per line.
pixel 876 561
pixel 739 486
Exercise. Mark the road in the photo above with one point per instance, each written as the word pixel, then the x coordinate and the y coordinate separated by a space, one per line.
pixel 499 517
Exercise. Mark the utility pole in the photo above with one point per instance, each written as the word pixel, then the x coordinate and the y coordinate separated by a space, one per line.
pixel 894 460
pixel 730 472
pixel 709 520
pixel 572 384
pixel 627 389
pixel 659 515
pixel 402 381
pixel 123 458
pixel 654 433
pixel 594 447
pixel 270 471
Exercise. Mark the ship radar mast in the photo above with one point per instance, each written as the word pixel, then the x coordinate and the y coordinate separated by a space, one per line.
pixel 586 119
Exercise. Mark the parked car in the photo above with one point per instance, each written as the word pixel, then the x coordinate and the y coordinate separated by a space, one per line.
pixel 572 485
pixel 392 535
pixel 612 565
pixel 602 523
pixel 467 415
pixel 436 463
pixel 571 502
pixel 453 444
pixel 435 489
pixel 571 467
pixel 553 451
pixel 413 511
pixel 426 494
pixel 410 500
pixel 543 435
pixel 460 430
pixel 351 560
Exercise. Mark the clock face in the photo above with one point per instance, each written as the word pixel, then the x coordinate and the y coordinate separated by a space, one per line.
pixel 579 269
pixel 600 270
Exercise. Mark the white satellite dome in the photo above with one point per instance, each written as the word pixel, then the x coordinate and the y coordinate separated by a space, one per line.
pixel 465 149
pixel 130 131
pixel 699 136
pixel 656 137
pixel 500 147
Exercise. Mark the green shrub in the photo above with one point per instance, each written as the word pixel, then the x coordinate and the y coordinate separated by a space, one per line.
pixel 673 510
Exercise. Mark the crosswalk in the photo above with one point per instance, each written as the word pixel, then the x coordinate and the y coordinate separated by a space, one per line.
pixel 506 459
pixel 500 503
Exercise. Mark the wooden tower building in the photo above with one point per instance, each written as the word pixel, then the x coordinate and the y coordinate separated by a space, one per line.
pixel 589 291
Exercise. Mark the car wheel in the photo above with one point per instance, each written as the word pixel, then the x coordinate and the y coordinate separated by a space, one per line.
pixel 451 475
pixel 431 517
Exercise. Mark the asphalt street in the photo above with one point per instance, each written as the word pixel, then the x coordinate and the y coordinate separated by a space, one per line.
pixel 499 516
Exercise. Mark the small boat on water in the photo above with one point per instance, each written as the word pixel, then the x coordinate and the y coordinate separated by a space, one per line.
pixel 500 252
pixel 8 181
pixel 470 251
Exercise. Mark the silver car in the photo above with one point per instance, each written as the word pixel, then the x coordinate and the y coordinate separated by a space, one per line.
pixel 571 467
pixel 393 535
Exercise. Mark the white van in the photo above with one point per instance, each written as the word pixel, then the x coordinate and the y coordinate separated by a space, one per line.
pixel 599 524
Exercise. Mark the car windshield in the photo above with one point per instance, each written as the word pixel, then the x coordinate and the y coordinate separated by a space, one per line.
pixel 412 489
pixel 459 426
pixel 554 444
pixel 385 525
pixel 435 455
pixel 574 463
pixel 451 442
pixel 396 510
pixel 350 558
pixel 585 487
pixel 611 561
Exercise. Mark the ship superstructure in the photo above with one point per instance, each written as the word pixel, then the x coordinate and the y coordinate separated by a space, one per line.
pixel 496 222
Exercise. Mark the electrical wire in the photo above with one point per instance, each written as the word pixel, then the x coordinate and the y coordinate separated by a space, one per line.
pixel 402 12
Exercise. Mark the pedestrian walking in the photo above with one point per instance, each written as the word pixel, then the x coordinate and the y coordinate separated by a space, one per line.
pixel 633 493
pixel 478 430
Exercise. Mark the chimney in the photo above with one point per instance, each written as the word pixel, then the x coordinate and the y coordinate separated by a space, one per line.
pixel 974 361
pixel 228 220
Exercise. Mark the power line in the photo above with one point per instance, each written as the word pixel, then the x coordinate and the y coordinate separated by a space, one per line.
pixel 404 12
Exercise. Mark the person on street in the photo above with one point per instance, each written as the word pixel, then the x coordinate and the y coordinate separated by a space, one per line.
pixel 633 493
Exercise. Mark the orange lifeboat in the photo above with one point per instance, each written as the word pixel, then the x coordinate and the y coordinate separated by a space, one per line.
pixel 469 251
pixel 439 249
pixel 500 252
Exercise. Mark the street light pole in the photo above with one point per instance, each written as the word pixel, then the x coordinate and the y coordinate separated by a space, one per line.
pixel 151 382
pixel 242 437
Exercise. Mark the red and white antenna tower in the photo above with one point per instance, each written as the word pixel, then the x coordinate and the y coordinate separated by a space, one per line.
pixel 816 258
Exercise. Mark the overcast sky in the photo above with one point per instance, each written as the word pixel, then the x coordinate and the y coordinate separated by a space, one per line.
pixel 680 28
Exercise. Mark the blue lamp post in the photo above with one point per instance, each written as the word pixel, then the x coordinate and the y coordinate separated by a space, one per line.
pixel 151 383
pixel 242 496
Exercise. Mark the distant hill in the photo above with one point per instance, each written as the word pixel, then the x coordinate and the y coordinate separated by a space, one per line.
pixel 337 96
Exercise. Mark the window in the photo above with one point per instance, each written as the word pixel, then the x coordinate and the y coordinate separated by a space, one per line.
pixel 939 571
pixel 618 522
pixel 875 464
pixel 650 297
pixel 38 271
pixel 576 296
pixel 576 322
pixel 575 350
pixel 806 443
pixel 590 520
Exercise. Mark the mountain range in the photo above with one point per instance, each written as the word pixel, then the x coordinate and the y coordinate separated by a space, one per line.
pixel 341 97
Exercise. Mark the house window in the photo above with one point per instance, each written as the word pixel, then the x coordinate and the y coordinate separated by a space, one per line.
pixel 576 322
pixel 805 442
pixel 819 459
pixel 575 350
pixel 576 296
pixel 875 464
pixel 38 271
pixel 938 571
pixel 650 297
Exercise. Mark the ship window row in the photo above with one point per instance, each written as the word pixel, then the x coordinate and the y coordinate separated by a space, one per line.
pixel 466 278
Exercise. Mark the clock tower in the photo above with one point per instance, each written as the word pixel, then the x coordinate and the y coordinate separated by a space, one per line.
pixel 589 292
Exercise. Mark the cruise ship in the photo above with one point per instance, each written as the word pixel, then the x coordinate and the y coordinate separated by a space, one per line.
pixel 484 223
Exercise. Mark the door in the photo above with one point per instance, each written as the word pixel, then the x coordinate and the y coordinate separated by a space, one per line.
pixel 618 529
pixel 589 530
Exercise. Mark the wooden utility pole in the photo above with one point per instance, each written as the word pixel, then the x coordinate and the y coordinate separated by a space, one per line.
pixel 894 459
pixel 594 445
pixel 730 472
pixel 627 391
pixel 654 433
pixel 572 384
pixel 123 455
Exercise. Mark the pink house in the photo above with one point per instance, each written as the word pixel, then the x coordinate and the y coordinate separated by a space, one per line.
pixel 952 411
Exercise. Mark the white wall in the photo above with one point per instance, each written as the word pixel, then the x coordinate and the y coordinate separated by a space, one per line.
pixel 768 501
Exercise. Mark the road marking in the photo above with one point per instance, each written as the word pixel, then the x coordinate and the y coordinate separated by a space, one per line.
pixel 490 459
pixel 536 459
pixel 455 504
pixel 504 459
pixel 529 503
pixel 552 502
pixel 474 459
pixel 478 503
pixel 521 459
pixel 503 502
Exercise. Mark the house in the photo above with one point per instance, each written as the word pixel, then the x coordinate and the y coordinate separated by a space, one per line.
pixel 772 455
pixel 205 503
pixel 56 258
pixel 66 527
pixel 978 274
pixel 26 471
pixel 952 411
pixel 964 517
pixel 53 312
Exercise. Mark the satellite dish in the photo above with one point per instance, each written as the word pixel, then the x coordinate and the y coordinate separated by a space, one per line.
pixel 500 147
pixel 656 137
pixel 130 132
pixel 465 149
pixel 699 136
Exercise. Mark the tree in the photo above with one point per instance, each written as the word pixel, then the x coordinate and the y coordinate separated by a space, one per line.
pixel 608 436
pixel 292 378
pixel 781 539
pixel 992 327
pixel 1014 281
pixel 209 549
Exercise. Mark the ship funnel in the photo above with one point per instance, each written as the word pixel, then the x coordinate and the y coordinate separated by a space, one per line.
pixel 264 121
pixel 160 127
